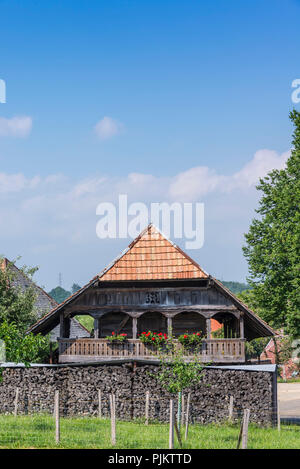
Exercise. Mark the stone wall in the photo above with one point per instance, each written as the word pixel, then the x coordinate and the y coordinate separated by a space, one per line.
pixel 79 385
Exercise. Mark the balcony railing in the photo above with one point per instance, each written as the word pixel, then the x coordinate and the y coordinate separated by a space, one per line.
pixel 94 350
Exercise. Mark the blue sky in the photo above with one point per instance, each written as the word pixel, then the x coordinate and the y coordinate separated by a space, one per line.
pixel 183 85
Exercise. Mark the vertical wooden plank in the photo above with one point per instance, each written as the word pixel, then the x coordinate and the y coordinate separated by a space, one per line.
pixel 99 404
pixel 187 415
pixel 16 402
pixel 56 416
pixel 171 426
pixel 147 408
pixel 245 428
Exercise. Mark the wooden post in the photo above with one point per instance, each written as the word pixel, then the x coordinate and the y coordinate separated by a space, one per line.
pixel 171 427
pixel 278 417
pixel 64 329
pixel 187 416
pixel 170 327
pixel 99 404
pixel 208 328
pixel 51 353
pixel 245 428
pixel 182 410
pixel 16 402
pixel 242 327
pixel 56 416
pixel 147 408
pixel 230 409
pixel 134 328
pixel 178 433
pixel 112 419
pixel 96 328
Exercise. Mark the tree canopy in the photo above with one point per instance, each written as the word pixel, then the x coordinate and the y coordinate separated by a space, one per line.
pixel 17 313
pixel 273 245
pixel 16 305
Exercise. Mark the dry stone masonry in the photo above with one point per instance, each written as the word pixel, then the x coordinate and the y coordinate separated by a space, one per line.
pixel 79 385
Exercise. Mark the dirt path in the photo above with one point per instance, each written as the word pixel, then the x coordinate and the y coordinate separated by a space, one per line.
pixel 289 399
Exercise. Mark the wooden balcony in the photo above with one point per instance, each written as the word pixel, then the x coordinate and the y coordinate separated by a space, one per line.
pixel 97 350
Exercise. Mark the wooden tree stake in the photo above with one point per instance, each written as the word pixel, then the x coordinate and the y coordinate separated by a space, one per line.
pixel 243 435
pixel 112 419
pixel 171 427
pixel 178 433
pixel 147 408
pixel 182 410
pixel 187 415
pixel 56 416
pixel 245 428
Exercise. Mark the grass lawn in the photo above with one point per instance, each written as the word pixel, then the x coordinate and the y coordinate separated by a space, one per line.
pixel 38 431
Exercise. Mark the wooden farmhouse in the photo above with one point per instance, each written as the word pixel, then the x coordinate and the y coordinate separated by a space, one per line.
pixel 154 288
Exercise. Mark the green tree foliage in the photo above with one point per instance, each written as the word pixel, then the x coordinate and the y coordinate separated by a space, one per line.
pixel 75 287
pixel 59 294
pixel 21 348
pixel 235 287
pixel 16 305
pixel 174 373
pixel 255 347
pixel 273 245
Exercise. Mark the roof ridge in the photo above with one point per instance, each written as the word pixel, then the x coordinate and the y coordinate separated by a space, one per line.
pixel 133 243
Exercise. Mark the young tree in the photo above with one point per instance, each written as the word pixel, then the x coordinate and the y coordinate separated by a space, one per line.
pixel 175 374
pixel 273 245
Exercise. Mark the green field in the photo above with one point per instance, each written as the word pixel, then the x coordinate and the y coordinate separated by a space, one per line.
pixel 38 431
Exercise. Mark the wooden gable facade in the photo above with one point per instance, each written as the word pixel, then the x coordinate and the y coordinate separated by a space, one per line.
pixel 153 286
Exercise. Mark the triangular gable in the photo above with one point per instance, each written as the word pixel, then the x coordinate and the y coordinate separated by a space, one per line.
pixel 151 256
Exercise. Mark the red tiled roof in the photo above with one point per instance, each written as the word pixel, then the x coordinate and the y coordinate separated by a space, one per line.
pixel 151 256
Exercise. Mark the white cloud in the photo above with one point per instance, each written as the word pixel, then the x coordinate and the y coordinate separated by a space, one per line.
pixel 107 128
pixel 194 183
pixel 18 126
pixel 16 182
pixel 201 181
pixel 262 163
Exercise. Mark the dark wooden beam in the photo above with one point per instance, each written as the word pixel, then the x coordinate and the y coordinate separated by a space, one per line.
pixel 131 309
pixel 65 325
